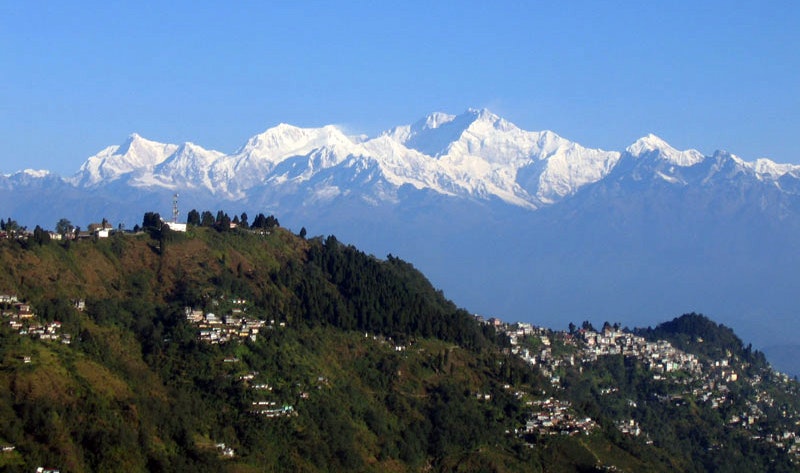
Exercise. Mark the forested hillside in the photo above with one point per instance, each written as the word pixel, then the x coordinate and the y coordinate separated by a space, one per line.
pixel 255 349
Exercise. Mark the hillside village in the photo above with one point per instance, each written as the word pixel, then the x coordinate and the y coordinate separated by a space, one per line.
pixel 23 320
pixel 233 326
pixel 728 384
pixel 551 353
pixel 685 378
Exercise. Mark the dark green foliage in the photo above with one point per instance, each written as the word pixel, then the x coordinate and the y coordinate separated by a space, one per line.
pixel 151 220
pixel 222 222
pixel 64 227
pixel 10 226
pixel 40 237
pixel 696 333
pixel 207 220
pixel 383 373
pixel 167 390
pixel 193 218
pixel 265 222
pixel 388 297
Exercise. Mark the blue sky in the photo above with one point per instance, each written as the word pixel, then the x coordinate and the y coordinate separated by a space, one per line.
pixel 79 76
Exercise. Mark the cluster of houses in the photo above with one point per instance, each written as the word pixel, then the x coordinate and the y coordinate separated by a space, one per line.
pixel 629 427
pixel 271 409
pixel 553 416
pixel 264 407
pixel 660 357
pixel 95 230
pixel 233 326
pixel 383 340
pixel 236 326
pixel 707 382
pixel 787 440
pixel 24 321
pixel 753 414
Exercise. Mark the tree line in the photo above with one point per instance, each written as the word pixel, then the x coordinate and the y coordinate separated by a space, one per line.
pixel 221 221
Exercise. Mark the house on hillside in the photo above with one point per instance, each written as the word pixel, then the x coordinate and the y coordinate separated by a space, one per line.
pixel 23 310
pixel 101 230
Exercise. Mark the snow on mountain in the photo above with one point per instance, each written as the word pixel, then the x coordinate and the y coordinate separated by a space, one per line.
pixel 654 157
pixel 475 155
pixel 401 165
pixel 623 226
pixel 135 155
pixel 29 178
pixel 253 162
pixel 283 141
pixel 36 173
pixel 487 154
pixel 186 168
pixel 433 134
pixel 764 167
pixel 653 145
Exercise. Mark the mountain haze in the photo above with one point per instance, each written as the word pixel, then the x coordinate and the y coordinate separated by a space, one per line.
pixel 519 224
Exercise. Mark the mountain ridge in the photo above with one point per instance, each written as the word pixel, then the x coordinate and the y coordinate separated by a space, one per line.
pixel 476 154
pixel 506 221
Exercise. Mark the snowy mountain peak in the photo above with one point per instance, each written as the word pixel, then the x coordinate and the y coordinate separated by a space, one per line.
pixel 36 173
pixel 647 143
pixel 138 144
pixel 191 153
pixel 653 145
pixel 434 120
pixel 283 141
pixel 135 154
pixel 482 114
pixel 475 154
pixel 771 169
pixel 484 119
pixel 434 134
pixel 430 136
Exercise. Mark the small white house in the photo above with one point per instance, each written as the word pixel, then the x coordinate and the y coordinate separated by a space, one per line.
pixel 176 227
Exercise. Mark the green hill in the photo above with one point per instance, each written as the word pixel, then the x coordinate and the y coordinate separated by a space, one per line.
pixel 264 351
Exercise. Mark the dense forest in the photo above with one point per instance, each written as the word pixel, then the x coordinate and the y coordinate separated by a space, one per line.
pixel 255 349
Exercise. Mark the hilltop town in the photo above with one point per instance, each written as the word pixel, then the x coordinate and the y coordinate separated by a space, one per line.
pixel 730 384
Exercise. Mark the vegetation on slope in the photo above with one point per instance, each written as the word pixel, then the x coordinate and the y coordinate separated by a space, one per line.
pixel 358 365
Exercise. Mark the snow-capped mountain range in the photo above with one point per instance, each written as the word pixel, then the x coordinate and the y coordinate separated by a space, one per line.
pixel 476 155
pixel 521 224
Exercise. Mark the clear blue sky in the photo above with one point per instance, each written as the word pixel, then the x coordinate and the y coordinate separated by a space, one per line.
pixel 78 76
